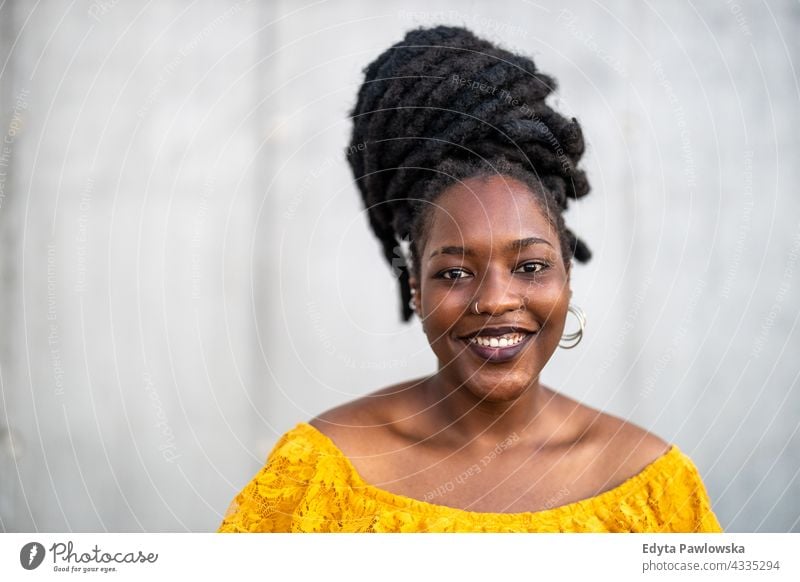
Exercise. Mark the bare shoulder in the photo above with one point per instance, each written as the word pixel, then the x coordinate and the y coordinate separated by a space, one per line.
pixel 618 449
pixel 629 446
pixel 361 425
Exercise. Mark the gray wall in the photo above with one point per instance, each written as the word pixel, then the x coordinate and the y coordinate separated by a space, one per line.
pixel 187 271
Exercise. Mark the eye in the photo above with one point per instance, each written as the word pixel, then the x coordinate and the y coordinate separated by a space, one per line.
pixel 532 267
pixel 452 274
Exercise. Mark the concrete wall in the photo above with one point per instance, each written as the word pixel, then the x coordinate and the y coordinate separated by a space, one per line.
pixel 187 270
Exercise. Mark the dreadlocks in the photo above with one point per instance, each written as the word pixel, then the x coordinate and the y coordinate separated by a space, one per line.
pixel 442 106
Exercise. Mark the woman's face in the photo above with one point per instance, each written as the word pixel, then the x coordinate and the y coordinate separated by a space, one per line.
pixel 489 241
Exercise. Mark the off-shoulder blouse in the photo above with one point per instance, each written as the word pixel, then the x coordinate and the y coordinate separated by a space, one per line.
pixel 309 485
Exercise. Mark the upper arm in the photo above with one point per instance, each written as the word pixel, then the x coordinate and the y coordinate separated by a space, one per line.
pixel 268 502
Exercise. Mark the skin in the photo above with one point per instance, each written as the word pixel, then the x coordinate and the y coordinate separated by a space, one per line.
pixel 415 437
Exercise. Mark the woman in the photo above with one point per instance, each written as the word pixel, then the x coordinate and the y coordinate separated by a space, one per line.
pixel 465 173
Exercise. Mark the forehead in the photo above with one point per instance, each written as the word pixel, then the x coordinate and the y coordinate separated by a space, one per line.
pixel 485 209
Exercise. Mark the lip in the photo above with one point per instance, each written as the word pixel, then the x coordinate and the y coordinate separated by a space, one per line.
pixel 498 355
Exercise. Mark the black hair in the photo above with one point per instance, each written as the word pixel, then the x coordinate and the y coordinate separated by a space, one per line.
pixel 443 106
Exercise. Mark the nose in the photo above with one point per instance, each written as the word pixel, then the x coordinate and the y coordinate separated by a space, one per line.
pixel 497 294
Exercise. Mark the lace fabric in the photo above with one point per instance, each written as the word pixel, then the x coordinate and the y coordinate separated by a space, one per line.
pixel 309 485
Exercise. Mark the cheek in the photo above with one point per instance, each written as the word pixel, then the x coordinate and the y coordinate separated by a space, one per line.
pixel 442 308
pixel 549 303
pixel 439 299
pixel 439 316
pixel 554 297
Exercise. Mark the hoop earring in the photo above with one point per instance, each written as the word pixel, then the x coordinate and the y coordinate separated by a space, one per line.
pixel 570 340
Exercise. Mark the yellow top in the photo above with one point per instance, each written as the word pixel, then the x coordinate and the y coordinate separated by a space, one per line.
pixel 309 485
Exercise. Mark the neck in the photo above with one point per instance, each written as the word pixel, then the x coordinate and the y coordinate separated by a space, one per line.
pixel 461 416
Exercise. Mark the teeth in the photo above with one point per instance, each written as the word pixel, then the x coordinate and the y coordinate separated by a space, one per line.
pixel 503 341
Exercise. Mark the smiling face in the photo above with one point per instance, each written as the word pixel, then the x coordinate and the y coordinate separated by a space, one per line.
pixel 488 240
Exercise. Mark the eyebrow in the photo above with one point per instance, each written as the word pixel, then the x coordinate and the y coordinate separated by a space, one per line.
pixel 516 245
